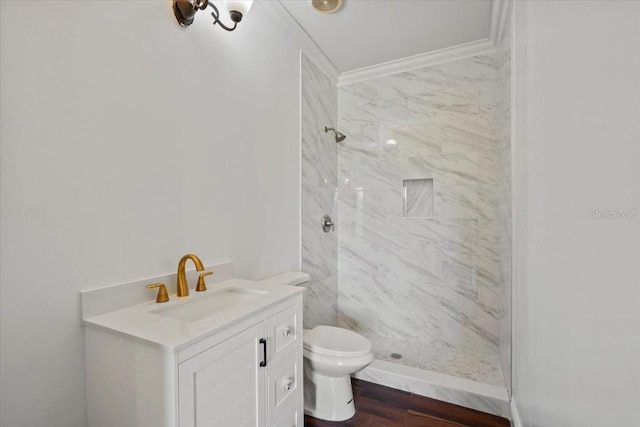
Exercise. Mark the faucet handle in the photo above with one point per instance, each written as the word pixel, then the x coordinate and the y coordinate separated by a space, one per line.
pixel 162 292
pixel 201 285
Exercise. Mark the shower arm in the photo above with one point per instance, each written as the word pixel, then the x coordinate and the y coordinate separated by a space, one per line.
pixel 338 135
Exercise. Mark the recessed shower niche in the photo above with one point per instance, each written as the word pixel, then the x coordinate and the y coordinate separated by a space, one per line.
pixel 417 198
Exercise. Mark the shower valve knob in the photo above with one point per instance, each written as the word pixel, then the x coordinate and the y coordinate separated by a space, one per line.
pixel 327 224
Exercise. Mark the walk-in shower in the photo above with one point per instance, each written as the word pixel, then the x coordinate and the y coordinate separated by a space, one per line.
pixel 418 262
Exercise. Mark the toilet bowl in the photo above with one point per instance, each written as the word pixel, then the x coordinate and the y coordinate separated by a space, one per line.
pixel 331 355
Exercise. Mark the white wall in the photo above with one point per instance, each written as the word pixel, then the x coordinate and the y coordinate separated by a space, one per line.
pixel 576 279
pixel 126 143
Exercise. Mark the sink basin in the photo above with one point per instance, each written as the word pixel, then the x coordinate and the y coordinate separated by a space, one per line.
pixel 211 304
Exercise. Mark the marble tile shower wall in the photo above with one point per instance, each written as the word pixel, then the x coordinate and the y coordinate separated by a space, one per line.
pixel 427 280
pixel 504 186
pixel 319 182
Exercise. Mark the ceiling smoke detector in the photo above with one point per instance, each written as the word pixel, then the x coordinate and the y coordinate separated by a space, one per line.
pixel 326 6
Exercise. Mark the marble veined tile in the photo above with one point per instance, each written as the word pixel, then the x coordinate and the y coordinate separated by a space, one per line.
pixel 436 278
pixel 472 201
pixel 402 85
pixel 318 198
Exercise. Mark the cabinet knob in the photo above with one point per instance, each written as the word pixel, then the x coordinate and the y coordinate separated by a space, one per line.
pixel 288 384
pixel 286 332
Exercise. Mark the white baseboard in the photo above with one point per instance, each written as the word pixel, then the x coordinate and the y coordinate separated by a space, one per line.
pixel 515 416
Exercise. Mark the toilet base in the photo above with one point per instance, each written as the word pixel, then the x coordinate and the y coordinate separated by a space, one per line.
pixel 328 398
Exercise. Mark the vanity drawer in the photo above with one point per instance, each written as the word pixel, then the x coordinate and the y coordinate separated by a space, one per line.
pixel 284 386
pixel 293 417
pixel 284 333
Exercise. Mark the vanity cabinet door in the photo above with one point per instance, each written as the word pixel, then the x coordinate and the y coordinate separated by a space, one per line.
pixel 224 385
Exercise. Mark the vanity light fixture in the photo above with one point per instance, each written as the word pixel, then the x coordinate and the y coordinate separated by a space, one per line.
pixel 185 10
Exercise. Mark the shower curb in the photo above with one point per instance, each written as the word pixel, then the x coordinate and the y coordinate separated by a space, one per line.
pixel 459 391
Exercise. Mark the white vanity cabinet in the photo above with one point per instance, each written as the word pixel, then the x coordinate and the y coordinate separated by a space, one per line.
pixel 248 380
pixel 247 375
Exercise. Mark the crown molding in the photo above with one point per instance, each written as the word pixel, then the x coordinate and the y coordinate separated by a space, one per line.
pixel 498 19
pixel 500 10
pixel 288 23
pixel 494 20
pixel 428 59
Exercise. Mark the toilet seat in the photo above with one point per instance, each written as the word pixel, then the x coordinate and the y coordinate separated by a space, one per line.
pixel 335 342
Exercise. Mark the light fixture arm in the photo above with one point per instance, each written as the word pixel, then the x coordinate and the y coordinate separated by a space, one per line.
pixel 185 10
pixel 235 17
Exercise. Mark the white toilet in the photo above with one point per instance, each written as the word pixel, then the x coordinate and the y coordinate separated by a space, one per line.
pixel 331 355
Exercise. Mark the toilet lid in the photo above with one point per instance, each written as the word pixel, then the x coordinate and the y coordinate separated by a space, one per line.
pixel 338 342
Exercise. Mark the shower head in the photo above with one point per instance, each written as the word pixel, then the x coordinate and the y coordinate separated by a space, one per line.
pixel 339 135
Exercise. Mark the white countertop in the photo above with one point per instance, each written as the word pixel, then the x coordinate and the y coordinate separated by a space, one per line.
pixel 172 334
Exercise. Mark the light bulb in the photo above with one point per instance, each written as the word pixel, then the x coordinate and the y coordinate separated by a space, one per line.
pixel 241 6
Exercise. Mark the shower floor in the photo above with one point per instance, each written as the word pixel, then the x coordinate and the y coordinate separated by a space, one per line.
pixel 470 365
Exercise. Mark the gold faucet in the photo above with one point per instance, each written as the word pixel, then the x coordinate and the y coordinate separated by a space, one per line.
pixel 183 288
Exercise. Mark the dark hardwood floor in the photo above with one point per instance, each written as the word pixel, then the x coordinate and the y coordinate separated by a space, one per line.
pixel 379 406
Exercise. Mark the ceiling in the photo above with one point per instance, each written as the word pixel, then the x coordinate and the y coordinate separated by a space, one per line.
pixel 369 32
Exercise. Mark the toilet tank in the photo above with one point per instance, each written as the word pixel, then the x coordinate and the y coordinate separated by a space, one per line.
pixel 291 278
